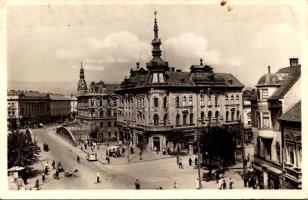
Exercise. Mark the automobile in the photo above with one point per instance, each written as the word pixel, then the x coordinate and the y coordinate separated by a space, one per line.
pixel 41 125
pixel 45 147
pixel 92 157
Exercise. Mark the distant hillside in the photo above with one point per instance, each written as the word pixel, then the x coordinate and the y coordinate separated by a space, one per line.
pixel 66 88
pixel 61 87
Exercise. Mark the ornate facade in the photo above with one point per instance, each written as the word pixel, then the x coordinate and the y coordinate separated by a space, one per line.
pixel 161 107
pixel 96 110
pixel 276 93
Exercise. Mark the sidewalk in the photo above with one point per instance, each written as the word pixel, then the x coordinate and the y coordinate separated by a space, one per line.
pixel 123 160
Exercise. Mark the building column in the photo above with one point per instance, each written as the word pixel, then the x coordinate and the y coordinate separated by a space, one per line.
pixel 265 179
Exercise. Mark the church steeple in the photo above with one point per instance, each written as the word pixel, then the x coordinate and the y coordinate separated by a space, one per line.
pixel 156 64
pixel 156 52
pixel 81 71
pixel 82 85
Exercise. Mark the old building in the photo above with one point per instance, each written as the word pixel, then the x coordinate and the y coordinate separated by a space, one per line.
pixel 276 93
pixel 73 106
pixel 31 108
pixel 96 110
pixel 27 108
pixel 59 107
pixel 161 107
pixel 292 147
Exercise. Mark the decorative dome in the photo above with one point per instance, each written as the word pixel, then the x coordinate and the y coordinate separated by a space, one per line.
pixel 270 79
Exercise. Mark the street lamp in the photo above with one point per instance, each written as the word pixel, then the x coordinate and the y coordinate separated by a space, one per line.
pixel 198 142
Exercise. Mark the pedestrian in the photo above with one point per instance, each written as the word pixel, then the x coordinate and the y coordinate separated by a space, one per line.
pixel 53 164
pixel 37 184
pixel 175 185
pixel 137 184
pixel 197 184
pixel 219 184
pixel 180 164
pixel 108 159
pixel 127 157
pixel 224 184
pixel 190 161
pixel 97 177
pixel 43 177
pixel 217 176
pixel 246 180
pixel 196 161
pixel 230 183
pixel 85 146
pixel 248 157
pixel 57 174
pixel 177 160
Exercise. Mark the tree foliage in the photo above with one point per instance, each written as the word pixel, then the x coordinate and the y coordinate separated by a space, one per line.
pixel 217 146
pixel 21 149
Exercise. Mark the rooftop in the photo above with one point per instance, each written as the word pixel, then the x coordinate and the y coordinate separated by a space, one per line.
pixel 293 114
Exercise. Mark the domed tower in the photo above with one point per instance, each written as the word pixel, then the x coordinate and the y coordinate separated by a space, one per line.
pixel 157 66
pixel 267 84
pixel 82 85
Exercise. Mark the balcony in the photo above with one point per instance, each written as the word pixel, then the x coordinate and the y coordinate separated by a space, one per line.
pixel 273 166
pixel 266 133
pixel 293 172
pixel 156 128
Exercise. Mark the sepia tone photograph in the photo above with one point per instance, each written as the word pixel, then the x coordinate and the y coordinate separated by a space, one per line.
pixel 156 96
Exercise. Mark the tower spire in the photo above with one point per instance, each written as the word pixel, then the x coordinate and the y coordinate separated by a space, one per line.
pixel 155 26
pixel 156 52
pixel 81 71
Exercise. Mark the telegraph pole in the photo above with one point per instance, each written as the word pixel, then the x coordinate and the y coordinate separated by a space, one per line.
pixel 199 175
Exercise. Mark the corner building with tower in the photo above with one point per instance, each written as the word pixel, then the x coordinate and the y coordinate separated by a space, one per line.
pixel 160 107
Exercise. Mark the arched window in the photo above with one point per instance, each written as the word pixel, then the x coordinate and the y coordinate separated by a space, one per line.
pixel 237 98
pixel 217 115
pixel 232 115
pixel 227 116
pixel 165 102
pixel 177 119
pixel 202 117
pixel 101 113
pixel 190 100
pixel 232 99
pixel 209 100
pixel 184 119
pixel 226 97
pixel 156 119
pixel 155 101
pixel 184 101
pixel 191 118
pixel 202 101
pixel 209 115
pixel 177 102
pixel 165 120
pixel 278 151
pixel 216 101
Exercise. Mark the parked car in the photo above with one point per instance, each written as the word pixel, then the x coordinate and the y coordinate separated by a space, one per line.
pixel 92 157
pixel 45 147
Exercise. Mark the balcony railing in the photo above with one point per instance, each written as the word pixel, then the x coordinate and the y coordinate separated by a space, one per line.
pixel 293 171
pixel 263 161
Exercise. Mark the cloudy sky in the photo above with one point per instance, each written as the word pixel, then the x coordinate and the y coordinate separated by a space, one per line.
pixel 47 42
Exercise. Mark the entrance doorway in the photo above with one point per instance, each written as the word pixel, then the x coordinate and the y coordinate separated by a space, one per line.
pixel 156 143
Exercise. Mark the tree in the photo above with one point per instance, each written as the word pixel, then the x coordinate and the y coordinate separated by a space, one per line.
pixel 93 133
pixel 21 149
pixel 217 146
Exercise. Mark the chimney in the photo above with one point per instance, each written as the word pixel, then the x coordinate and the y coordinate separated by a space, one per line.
pixel 178 70
pixel 293 62
pixel 269 69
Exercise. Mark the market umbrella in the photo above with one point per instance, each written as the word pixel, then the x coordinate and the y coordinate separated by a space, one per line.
pixel 15 168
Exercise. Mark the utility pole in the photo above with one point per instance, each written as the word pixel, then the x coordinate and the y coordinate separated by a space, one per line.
pixel 199 175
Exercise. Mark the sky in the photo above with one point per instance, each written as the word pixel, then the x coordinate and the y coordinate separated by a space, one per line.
pixel 47 42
